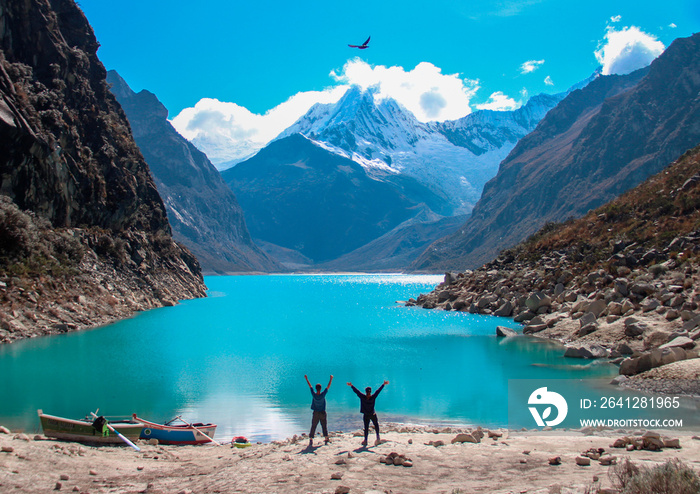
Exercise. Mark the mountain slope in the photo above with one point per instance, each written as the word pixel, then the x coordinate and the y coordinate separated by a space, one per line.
pixel 203 211
pixel 597 143
pixel 621 280
pixel 453 159
pixel 297 195
pixel 84 237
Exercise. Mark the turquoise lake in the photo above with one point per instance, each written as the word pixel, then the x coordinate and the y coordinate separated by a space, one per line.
pixel 238 359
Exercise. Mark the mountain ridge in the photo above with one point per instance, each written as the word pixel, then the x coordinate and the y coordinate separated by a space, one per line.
pixel 202 209
pixel 298 195
pixel 598 142
pixel 454 159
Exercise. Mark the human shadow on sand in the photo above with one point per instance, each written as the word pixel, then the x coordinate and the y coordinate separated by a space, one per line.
pixel 309 449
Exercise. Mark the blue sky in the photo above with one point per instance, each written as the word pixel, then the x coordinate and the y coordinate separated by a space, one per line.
pixel 258 55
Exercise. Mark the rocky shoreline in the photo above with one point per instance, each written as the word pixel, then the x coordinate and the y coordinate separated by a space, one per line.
pixel 77 279
pixel 643 318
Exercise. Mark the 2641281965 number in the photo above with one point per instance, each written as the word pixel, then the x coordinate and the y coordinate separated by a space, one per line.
pixel 640 402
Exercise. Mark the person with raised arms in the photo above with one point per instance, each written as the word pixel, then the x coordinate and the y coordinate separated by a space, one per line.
pixel 367 409
pixel 318 405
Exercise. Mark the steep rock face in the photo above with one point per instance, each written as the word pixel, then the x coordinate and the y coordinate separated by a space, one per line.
pixel 203 211
pixel 80 210
pixel 597 143
pixel 298 195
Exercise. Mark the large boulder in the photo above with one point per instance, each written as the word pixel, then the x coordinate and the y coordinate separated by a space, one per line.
pixel 504 310
pixel 681 342
pixel 537 300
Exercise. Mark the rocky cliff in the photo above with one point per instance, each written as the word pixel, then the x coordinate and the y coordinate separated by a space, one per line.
pixel 203 211
pixel 85 236
pixel 597 143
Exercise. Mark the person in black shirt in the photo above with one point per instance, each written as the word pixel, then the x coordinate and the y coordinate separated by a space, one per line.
pixel 367 409
pixel 318 405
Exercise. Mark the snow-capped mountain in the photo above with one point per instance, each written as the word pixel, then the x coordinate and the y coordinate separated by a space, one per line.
pixel 454 159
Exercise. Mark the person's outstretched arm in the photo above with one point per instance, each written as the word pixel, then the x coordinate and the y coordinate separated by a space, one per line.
pixel 329 383
pixel 357 392
pixel 307 381
pixel 380 388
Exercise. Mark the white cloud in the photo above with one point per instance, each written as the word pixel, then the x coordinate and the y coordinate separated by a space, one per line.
pixel 627 50
pixel 672 25
pixel 499 102
pixel 228 132
pixel 548 81
pixel 530 66
pixel 425 91
pixel 616 18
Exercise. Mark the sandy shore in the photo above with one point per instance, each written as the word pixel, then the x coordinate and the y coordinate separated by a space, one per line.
pixel 517 462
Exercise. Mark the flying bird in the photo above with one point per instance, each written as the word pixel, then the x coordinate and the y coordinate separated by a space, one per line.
pixel 363 46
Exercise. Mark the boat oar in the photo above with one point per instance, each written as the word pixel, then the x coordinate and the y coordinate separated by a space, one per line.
pixel 202 433
pixel 119 434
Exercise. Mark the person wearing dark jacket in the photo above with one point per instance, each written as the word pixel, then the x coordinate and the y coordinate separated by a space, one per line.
pixel 367 409
pixel 318 405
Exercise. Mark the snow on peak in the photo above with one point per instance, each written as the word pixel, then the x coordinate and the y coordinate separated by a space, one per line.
pixel 453 158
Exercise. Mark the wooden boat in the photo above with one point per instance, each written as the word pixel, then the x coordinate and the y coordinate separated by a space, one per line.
pixel 185 433
pixel 82 430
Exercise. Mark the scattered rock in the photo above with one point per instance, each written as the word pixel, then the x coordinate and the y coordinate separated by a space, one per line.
pixel 437 444
pixel 464 438
pixel 502 331
pixel 4 430
pixel 607 460
pixel 7 449
pixel 555 460
pixel 582 461
pixel 342 489
pixel 336 476
pixel 589 351
pixel 672 443
pixel 619 380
